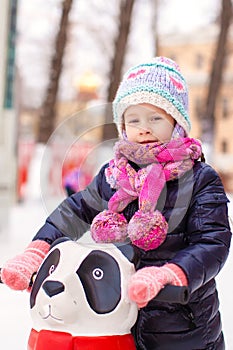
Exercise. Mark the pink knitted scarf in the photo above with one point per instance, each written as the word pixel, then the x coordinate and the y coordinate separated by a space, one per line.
pixel 159 162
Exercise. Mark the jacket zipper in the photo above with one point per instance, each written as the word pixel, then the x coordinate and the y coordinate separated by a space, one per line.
pixel 190 316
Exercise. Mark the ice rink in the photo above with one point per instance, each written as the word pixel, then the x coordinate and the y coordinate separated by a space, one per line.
pixel 24 220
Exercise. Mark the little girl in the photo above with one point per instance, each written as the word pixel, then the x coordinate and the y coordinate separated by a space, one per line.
pixel 159 194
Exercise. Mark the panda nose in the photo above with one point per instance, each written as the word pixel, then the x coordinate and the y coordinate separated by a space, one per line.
pixel 52 288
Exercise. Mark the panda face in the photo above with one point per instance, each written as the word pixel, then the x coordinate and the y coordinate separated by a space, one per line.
pixel 82 289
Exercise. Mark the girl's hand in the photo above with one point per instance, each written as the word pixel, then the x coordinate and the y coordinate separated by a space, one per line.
pixel 146 283
pixel 18 271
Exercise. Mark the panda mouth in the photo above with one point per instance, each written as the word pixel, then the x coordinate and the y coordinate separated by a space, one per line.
pixel 50 315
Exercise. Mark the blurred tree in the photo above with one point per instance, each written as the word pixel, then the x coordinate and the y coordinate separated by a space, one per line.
pixel 208 118
pixel 48 110
pixel 126 9
pixel 155 9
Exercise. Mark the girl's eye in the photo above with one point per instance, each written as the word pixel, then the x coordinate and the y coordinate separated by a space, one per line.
pixel 155 118
pixel 51 269
pixel 98 273
pixel 132 121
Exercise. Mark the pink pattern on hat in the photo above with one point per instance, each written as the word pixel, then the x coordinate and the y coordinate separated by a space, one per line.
pixel 133 75
pixel 180 87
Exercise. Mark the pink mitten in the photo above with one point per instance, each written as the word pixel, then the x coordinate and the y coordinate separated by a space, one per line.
pixel 17 272
pixel 146 283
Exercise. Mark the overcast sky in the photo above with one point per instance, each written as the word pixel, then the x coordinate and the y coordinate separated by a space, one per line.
pixel 186 15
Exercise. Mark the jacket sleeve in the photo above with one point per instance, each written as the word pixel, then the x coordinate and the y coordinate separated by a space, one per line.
pixel 208 231
pixel 72 218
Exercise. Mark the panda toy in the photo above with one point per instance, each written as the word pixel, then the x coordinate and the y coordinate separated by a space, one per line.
pixel 79 298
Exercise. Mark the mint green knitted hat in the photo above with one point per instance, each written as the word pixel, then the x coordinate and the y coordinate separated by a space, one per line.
pixel 158 82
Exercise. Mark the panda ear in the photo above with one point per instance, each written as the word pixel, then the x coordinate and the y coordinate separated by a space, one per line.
pixel 59 240
pixel 132 253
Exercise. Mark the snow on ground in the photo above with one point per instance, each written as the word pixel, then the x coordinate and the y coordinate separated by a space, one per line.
pixel 25 219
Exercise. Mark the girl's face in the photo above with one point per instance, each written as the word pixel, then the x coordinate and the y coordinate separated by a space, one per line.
pixel 146 123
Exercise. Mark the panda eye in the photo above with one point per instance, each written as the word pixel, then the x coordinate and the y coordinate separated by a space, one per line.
pixel 97 273
pixel 51 269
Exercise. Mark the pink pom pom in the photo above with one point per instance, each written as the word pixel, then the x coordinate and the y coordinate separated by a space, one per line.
pixel 109 227
pixel 147 230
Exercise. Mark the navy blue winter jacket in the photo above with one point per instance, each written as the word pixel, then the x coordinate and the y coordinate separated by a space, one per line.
pixel 195 206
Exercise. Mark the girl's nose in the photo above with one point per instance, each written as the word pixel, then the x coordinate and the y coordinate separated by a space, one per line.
pixel 144 130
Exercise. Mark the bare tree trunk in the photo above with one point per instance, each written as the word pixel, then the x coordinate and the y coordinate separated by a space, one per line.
pixel 155 26
pixel 208 119
pixel 48 111
pixel 109 129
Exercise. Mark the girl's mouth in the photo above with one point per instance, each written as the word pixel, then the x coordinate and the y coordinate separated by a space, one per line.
pixel 148 141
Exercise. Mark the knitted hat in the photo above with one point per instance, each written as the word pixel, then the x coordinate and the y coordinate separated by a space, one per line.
pixel 158 82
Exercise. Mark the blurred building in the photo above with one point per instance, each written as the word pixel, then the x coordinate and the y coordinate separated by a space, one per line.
pixel 86 109
pixel 194 53
pixel 7 111
pixel 78 130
